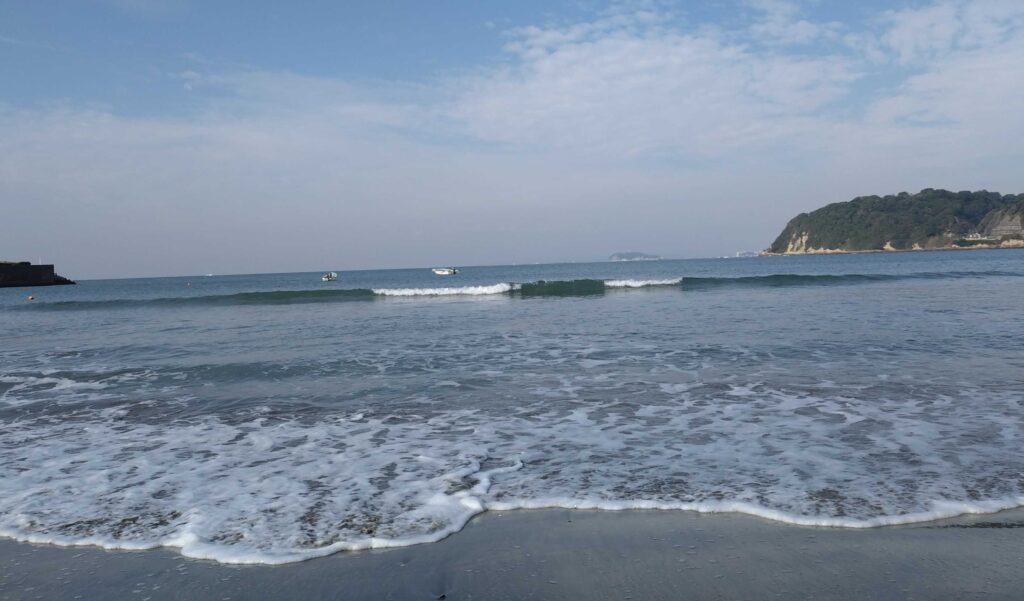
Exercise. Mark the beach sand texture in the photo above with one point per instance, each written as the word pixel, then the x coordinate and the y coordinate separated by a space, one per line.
pixel 564 554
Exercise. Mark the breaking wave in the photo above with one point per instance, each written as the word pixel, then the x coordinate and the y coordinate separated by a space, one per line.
pixel 553 288
pixel 642 283
pixel 457 291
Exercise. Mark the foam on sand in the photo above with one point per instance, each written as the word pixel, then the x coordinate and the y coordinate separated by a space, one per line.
pixel 267 488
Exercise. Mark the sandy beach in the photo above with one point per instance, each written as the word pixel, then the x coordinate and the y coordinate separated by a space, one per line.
pixel 561 554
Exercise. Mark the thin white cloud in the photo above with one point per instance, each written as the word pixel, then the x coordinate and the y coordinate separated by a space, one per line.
pixel 13 41
pixel 932 31
pixel 148 8
pixel 920 34
pixel 628 85
pixel 780 22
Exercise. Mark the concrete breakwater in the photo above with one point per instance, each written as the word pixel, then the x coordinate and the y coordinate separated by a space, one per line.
pixel 26 274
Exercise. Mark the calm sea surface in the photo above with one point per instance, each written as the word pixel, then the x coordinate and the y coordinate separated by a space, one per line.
pixel 270 418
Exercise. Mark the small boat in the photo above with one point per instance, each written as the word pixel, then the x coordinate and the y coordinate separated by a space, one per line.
pixel 330 276
pixel 445 270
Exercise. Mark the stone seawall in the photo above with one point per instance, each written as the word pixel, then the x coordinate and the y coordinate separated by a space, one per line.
pixel 26 274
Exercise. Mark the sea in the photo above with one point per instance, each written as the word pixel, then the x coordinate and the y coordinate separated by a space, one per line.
pixel 273 418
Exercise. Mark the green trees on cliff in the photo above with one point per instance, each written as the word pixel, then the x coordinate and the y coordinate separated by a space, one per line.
pixel 930 218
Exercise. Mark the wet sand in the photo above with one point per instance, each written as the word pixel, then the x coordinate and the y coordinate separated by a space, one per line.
pixel 561 554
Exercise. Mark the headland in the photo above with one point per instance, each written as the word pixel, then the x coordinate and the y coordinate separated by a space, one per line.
pixel 928 220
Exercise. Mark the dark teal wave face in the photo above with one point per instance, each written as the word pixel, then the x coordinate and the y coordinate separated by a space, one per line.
pixel 270 297
pixel 842 390
pixel 777 280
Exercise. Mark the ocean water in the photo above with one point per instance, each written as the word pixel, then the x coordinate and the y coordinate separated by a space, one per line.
pixel 273 418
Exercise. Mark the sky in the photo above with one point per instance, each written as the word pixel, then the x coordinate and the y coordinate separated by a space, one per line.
pixel 181 137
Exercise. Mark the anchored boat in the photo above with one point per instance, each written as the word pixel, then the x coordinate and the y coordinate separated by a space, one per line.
pixel 445 270
pixel 330 276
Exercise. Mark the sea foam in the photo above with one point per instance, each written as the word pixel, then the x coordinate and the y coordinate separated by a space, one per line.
pixel 267 489
pixel 642 283
pixel 452 291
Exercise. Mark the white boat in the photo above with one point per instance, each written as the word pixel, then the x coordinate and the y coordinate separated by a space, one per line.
pixel 445 270
pixel 330 276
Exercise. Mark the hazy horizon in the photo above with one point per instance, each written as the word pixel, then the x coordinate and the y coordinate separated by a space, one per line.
pixel 171 137
pixel 398 268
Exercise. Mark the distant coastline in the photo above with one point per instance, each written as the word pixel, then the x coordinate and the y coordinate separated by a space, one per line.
pixel 1005 245
pixel 634 256
pixel 928 220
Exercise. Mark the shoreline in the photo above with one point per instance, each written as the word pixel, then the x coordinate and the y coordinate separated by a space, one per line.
pixel 190 547
pixel 573 554
pixel 828 251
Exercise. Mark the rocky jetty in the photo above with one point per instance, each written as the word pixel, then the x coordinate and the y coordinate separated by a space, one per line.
pixel 23 273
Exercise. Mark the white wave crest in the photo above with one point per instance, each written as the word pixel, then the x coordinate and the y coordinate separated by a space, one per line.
pixel 939 510
pixel 465 290
pixel 31 389
pixel 641 283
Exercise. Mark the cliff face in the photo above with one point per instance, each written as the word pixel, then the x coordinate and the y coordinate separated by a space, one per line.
pixel 799 244
pixel 1006 222
pixel 928 219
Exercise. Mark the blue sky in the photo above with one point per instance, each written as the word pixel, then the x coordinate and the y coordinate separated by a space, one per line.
pixel 160 137
pixel 120 52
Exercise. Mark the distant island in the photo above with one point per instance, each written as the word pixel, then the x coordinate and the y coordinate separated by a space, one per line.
pixel 929 220
pixel 633 256
pixel 23 273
